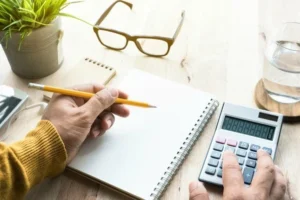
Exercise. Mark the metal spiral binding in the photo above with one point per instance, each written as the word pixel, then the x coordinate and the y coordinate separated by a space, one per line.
pixel 184 149
pixel 98 63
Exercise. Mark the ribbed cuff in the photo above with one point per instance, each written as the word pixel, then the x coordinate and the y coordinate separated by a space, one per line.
pixel 42 153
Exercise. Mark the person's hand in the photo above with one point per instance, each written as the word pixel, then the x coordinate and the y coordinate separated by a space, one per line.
pixel 268 182
pixel 75 118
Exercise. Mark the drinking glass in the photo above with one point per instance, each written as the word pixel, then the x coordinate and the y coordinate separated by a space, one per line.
pixel 281 74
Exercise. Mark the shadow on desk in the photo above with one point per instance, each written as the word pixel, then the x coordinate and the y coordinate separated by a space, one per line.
pixel 70 185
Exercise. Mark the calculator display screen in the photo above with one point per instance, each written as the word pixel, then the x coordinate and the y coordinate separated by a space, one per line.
pixel 248 128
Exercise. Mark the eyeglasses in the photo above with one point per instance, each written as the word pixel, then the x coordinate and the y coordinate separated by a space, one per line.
pixel 150 45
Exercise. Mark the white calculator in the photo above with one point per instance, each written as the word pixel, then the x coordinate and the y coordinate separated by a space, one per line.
pixel 243 131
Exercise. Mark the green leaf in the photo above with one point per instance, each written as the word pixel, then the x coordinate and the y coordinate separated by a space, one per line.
pixel 15 22
pixel 72 16
pixel 27 11
pixel 24 16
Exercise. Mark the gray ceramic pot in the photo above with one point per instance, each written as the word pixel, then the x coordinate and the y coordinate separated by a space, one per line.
pixel 40 54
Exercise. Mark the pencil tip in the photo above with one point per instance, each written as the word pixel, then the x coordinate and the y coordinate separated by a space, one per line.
pixel 152 106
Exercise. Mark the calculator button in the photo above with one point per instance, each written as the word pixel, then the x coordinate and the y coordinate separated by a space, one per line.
pixel 244 145
pixel 210 170
pixel 241 152
pixel 248 175
pixel 268 150
pixel 240 160
pixel 221 164
pixel 216 154
pixel 229 148
pixel 251 163
pixel 220 172
pixel 213 162
pixel 218 147
pixel 231 143
pixel 254 147
pixel 220 140
pixel 252 155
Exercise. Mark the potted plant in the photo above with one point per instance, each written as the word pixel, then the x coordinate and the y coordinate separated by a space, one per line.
pixel 30 34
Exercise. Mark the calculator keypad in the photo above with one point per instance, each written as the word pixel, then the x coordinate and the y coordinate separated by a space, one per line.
pixel 248 175
pixel 232 143
pixel 252 155
pixel 229 148
pixel 216 154
pixel 218 147
pixel 268 150
pixel 213 162
pixel 241 152
pixel 244 145
pixel 246 156
pixel 254 147
pixel 210 170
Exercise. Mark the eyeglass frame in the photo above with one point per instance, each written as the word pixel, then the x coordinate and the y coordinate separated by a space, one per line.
pixel 168 40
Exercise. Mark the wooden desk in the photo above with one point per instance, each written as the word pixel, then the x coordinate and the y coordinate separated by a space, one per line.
pixel 218 51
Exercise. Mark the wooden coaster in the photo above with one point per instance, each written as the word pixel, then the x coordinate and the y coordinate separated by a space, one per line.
pixel 291 112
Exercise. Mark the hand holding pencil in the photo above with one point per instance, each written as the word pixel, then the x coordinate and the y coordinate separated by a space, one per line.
pixel 85 95
pixel 75 119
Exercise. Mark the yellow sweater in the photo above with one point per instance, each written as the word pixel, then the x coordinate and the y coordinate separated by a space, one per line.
pixel 24 164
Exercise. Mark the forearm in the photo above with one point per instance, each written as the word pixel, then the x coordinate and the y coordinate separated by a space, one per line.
pixel 26 163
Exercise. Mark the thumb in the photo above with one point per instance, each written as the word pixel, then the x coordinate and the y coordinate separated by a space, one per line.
pixel 100 101
pixel 198 191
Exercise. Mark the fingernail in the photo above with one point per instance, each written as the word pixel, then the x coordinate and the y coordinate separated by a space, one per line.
pixel 261 151
pixel 109 122
pixel 227 151
pixel 113 92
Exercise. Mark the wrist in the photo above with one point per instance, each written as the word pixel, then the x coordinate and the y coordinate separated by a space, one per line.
pixel 42 153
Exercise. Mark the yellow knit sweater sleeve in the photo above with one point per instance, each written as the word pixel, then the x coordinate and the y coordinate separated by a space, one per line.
pixel 25 163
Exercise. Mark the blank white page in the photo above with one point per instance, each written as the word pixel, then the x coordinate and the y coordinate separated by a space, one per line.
pixel 134 154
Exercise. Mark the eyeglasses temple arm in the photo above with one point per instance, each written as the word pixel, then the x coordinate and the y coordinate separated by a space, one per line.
pixel 179 26
pixel 102 17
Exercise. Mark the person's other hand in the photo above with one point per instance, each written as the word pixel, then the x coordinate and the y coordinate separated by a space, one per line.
pixel 268 182
pixel 75 118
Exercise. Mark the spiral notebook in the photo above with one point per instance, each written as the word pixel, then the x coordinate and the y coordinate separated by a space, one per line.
pixel 140 154
pixel 87 70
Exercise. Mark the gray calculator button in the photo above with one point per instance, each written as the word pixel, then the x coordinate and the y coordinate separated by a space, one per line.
pixel 216 154
pixel 241 152
pixel 240 160
pixel 254 147
pixel 268 150
pixel 252 155
pixel 248 175
pixel 244 145
pixel 232 149
pixel 221 164
pixel 210 170
pixel 251 163
pixel 213 162
pixel 218 147
pixel 220 172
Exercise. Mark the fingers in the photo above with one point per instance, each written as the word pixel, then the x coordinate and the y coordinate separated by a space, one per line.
pixel 107 120
pixel 279 186
pixel 198 191
pixel 265 174
pixel 96 129
pixel 232 176
pixel 94 88
pixel 102 124
pixel 99 102
pixel 120 110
